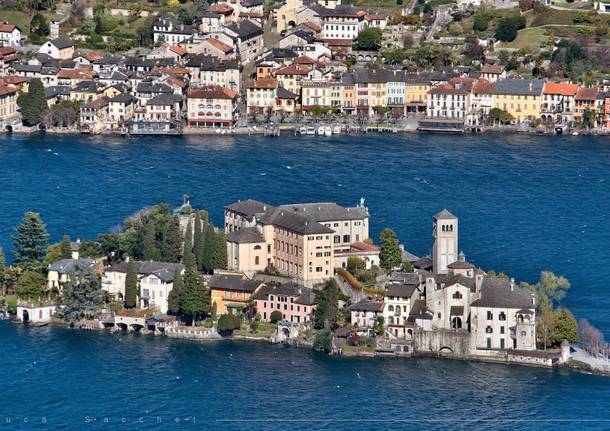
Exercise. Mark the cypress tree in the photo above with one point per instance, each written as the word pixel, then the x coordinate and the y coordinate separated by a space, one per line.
pixel 172 241
pixel 33 104
pixel 200 249
pixel 149 245
pixel 30 240
pixel 187 253
pixel 390 255
pixel 66 248
pixel 197 240
pixel 81 298
pixel 131 286
pixel 194 298
pixel 220 251
pixel 173 299
pixel 209 248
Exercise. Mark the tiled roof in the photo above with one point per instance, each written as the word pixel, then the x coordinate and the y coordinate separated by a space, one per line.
pixel 368 305
pixel 220 45
pixel 293 69
pixel 5 27
pixel 227 282
pixel 587 93
pixel 496 292
pixel 212 92
pixel 249 207
pixel 246 235
pixel 495 69
pixel 523 87
pixel 327 211
pixel 264 83
pixel 560 88
pixel 444 215
pixel 163 270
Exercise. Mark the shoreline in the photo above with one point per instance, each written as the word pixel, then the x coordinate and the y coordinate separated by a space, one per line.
pixel 572 366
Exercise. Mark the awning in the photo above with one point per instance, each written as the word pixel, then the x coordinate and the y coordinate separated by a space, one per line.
pixel 456 310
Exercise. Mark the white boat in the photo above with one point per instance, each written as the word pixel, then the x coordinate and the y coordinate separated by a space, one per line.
pixel 575 133
pixel 217 130
pixel 328 131
pixel 320 131
pixel 303 130
pixel 337 130
pixel 311 131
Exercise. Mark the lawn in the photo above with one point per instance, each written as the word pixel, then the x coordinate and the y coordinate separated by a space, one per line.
pixel 528 38
pixel 22 19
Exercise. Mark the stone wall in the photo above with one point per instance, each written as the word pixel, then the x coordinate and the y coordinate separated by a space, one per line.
pixel 442 341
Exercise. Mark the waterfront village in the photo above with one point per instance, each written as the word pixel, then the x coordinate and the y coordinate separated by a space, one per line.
pixel 301 274
pixel 304 66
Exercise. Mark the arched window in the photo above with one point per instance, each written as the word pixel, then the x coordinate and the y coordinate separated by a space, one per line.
pixel 457 295
pixel 257 247
pixel 502 316
pixel 390 308
pixel 391 320
pixel 520 318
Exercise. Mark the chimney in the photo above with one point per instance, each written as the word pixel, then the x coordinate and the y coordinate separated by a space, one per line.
pixel 512 284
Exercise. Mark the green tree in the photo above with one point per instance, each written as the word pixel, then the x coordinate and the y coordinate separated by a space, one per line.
pixel 546 323
pixel 355 265
pixel 66 248
pixel 227 323
pixel 390 254
pixel 187 252
pixel 81 298
pixel 33 104
pixel 39 25
pixel 219 260
pixel 149 245
pixel 54 254
pixel 172 241
pixel 276 316
pixel 173 299
pixel 497 115
pixel 195 298
pixel 565 327
pixel 508 28
pixel 30 241
pixel 131 286
pixel 323 341
pixel 249 310
pixel 394 56
pixel 89 249
pixel 550 286
pixel 198 241
pixel 369 39
pixel 327 305
pixel 31 284
pixel 378 327
pixel 209 248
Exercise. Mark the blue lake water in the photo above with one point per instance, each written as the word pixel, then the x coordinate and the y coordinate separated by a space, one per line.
pixel 525 204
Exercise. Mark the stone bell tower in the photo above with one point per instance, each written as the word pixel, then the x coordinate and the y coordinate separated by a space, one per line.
pixel 445 249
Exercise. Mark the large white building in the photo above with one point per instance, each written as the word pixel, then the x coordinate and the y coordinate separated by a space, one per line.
pixel 10 35
pixel 155 280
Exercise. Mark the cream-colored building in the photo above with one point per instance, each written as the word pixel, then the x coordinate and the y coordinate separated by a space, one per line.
pixel 212 106
pixel 297 240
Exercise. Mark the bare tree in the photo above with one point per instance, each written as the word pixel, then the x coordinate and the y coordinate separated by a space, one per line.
pixel 591 337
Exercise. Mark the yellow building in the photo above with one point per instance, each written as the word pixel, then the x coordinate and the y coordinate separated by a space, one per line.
pixel 290 77
pixel 521 98
pixel 416 95
pixel 287 14
pixel 315 93
pixel 231 292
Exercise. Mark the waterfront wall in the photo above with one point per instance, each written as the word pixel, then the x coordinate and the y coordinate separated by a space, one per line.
pixel 442 341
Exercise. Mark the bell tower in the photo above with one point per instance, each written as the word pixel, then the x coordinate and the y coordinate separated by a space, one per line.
pixel 445 233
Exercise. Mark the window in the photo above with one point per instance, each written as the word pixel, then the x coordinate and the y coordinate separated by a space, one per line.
pixel 489 330
pixel 502 343
pixel 346 238
pixel 337 239
pixel 489 343
pixel 490 315
pixel 502 316
pixel 256 260
pixel 457 295
pixel 257 247
pixel 501 329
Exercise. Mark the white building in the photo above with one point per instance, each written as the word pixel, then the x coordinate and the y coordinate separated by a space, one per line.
pixel 365 313
pixel 35 314
pixel 10 35
pixel 342 22
pixel 445 249
pixel 155 280
pixel 504 317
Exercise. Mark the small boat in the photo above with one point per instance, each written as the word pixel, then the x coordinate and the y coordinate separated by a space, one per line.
pixel 311 131
pixel 575 133
pixel 303 130
pixel 337 130
pixel 217 130
pixel 320 131
pixel 328 131
pixel 559 130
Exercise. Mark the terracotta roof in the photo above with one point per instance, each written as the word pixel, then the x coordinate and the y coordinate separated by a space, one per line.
pixel 175 81
pixel 212 92
pixel 563 89
pixel 6 27
pixel 220 45
pixel 374 17
pixel 172 70
pixel 483 86
pixel 359 245
pixel 221 8
pixel 337 42
pixel 312 25
pixel 492 68
pixel 293 69
pixel 75 74
pixel 587 93
pixel 268 83
pixel 14 80
pixel 6 90
pixel 6 50
pixel 180 50
pixel 303 59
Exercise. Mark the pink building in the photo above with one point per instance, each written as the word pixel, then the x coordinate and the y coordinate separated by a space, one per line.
pixel 296 303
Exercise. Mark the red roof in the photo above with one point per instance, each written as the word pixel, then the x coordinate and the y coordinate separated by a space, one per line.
pixel 587 93
pixel 181 51
pixel 264 83
pixel 221 8
pixel 5 27
pixel 359 245
pixel 312 25
pixel 212 92
pixel 220 45
pixel 75 74
pixel 293 69
pixel 6 90
pixel 307 60
pixel 483 86
pixel 560 88
pixel 337 42
pixel 494 69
